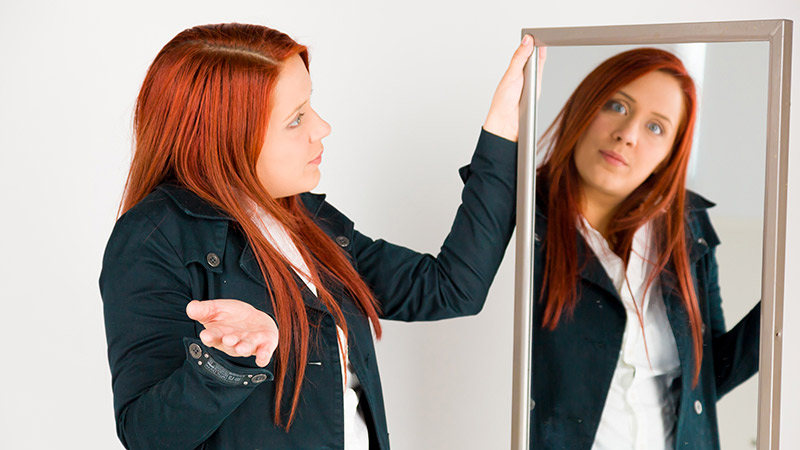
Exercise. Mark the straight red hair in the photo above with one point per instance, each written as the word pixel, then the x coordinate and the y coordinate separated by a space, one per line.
pixel 660 198
pixel 200 122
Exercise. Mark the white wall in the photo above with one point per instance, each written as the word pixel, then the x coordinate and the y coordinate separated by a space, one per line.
pixel 405 86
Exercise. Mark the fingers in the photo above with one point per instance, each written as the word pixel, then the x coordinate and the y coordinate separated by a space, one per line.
pixel 542 56
pixel 503 117
pixel 521 55
pixel 202 312
pixel 235 328
pixel 540 70
pixel 264 353
pixel 541 61
pixel 239 344
pixel 211 338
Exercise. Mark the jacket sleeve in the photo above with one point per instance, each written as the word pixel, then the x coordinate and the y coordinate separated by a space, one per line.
pixel 170 391
pixel 412 286
pixel 735 351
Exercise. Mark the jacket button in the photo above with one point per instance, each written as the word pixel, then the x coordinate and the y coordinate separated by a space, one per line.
pixel 703 328
pixel 533 404
pixel 212 259
pixel 195 351
pixel 342 241
pixel 702 241
pixel 259 378
pixel 698 407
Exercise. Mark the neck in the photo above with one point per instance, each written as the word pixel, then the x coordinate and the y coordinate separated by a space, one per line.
pixel 598 209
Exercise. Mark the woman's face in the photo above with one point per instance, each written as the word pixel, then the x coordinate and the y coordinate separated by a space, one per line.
pixel 292 151
pixel 629 137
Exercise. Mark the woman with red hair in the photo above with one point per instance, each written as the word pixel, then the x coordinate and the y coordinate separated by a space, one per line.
pixel 237 305
pixel 629 342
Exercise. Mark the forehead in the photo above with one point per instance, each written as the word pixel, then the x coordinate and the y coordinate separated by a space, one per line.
pixel 657 92
pixel 292 87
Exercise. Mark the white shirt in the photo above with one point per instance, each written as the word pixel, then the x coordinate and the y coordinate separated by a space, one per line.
pixel 639 411
pixel 356 434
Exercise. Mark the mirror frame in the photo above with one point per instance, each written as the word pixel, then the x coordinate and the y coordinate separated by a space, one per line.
pixel 779 35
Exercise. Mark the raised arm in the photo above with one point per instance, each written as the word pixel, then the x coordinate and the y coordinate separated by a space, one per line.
pixel 412 286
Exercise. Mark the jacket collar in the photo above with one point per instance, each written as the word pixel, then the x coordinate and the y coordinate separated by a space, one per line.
pixel 192 204
pixel 195 206
pixel 313 203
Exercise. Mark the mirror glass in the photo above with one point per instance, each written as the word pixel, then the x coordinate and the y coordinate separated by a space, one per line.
pixel 727 167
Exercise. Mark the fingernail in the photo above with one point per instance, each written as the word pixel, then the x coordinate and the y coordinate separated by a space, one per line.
pixel 526 39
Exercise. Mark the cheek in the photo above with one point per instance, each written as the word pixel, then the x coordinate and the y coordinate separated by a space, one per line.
pixel 593 136
pixel 583 149
pixel 663 151
pixel 286 153
pixel 653 159
pixel 275 163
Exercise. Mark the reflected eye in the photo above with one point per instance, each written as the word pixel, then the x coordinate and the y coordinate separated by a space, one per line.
pixel 655 128
pixel 616 106
pixel 296 122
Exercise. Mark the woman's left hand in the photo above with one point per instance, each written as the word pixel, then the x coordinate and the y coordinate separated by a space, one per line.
pixel 503 117
pixel 236 328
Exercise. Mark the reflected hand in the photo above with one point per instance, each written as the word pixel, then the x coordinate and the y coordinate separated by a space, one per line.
pixel 236 328
pixel 503 117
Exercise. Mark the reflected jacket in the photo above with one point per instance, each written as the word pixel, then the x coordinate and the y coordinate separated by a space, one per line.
pixel 572 366
pixel 172 392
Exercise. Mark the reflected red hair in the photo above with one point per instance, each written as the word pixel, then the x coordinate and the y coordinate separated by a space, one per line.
pixel 660 198
pixel 200 122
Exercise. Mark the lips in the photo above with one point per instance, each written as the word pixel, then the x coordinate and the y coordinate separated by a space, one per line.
pixel 613 158
pixel 316 160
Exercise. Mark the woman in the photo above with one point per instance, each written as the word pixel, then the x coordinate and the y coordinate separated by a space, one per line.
pixel 629 342
pixel 217 209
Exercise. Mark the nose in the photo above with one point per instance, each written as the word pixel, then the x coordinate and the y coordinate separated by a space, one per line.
pixel 321 128
pixel 626 132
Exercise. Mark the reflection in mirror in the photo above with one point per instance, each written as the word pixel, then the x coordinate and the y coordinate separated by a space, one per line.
pixel 727 167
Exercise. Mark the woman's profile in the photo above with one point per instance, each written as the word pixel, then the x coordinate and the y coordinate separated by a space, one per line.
pixel 239 307
pixel 630 348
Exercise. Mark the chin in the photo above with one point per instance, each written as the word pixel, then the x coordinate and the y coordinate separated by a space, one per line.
pixel 313 184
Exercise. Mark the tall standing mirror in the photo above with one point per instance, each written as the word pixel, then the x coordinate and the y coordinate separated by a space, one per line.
pixel 738 162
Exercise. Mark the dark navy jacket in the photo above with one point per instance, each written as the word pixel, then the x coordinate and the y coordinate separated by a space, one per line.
pixel 171 392
pixel 573 365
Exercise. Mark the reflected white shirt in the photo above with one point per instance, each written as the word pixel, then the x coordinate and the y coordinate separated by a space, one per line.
pixel 356 434
pixel 639 411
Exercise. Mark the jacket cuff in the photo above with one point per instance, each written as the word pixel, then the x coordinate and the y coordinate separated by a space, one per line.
pixel 499 150
pixel 209 363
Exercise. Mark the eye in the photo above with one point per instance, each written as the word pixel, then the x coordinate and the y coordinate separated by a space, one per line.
pixel 296 122
pixel 616 106
pixel 655 128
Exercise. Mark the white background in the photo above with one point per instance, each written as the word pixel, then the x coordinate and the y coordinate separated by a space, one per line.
pixel 405 86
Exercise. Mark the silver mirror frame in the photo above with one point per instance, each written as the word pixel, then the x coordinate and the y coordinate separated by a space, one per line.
pixel 779 35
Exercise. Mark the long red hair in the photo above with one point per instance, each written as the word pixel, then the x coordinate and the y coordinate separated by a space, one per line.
pixel 200 122
pixel 660 198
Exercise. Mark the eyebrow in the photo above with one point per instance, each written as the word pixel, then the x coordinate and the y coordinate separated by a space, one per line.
pixel 291 116
pixel 655 113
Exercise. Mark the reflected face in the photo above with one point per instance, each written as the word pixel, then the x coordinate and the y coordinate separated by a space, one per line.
pixel 289 160
pixel 631 135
